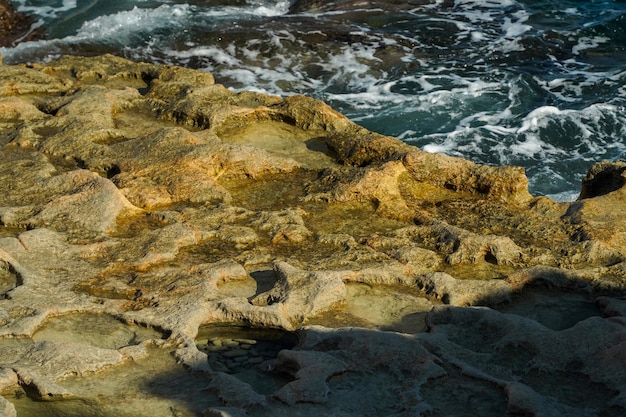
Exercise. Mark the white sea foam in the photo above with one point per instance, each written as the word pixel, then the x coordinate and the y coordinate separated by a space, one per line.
pixel 498 23
pixel 438 148
pixel 45 11
pixel 537 118
pixel 588 43
pixel 115 29
pixel 477 36
pixel 272 8
pixel 514 30
pixel 564 196
pixel 544 141
pixel 124 23
pixel 216 54
pixel 531 146
pixel 120 26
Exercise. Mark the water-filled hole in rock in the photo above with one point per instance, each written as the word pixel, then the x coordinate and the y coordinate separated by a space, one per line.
pixel 99 330
pixel 379 307
pixel 247 353
pixel 306 147
pixel 238 288
pixel 152 385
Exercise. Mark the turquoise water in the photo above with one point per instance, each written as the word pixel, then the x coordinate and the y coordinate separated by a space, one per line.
pixel 541 84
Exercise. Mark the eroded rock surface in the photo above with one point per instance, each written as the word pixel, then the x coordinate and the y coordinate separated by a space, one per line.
pixel 416 283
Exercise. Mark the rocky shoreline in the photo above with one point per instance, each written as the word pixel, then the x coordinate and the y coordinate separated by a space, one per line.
pixel 414 284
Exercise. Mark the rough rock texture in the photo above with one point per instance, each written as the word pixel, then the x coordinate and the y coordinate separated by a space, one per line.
pixel 416 284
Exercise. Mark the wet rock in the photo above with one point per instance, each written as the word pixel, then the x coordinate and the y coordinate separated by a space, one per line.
pixel 235 353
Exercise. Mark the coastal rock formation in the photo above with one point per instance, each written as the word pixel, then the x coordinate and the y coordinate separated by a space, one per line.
pixel 142 196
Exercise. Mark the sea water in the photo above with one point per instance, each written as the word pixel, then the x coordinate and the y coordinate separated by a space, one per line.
pixel 540 84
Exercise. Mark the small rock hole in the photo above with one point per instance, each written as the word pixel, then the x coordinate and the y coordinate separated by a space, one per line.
pixel 491 258
pixel 247 353
pixel 112 171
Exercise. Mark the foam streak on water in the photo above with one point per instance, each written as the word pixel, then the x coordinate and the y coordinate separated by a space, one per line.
pixel 531 83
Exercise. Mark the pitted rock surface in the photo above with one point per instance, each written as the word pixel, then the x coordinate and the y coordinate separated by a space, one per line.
pixel 150 194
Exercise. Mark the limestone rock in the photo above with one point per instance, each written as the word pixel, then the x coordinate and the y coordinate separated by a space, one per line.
pixel 192 359
pixel 599 218
pixel 284 226
pixel 612 307
pixel 500 183
pixel 529 352
pixel 39 365
pixel 523 401
pixel 24 80
pixel 14 111
pixel 100 203
pixel 151 195
pixel 235 393
pixel 8 380
pixel 379 184
pixel 302 294
pixel 311 371
pixel 6 408
pixel 602 178
pixel 296 296
pixel 464 292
